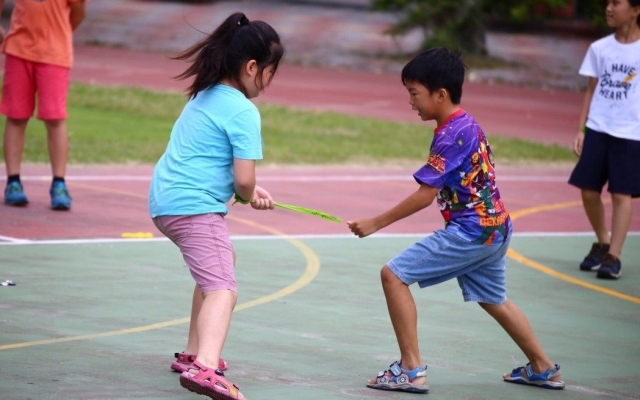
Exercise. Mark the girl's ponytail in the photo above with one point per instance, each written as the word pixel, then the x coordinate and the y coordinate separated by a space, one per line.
pixel 222 54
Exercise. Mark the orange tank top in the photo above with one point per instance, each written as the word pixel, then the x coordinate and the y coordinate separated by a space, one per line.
pixel 40 31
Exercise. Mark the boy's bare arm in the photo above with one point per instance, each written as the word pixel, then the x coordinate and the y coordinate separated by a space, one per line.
pixel 420 199
pixel 77 13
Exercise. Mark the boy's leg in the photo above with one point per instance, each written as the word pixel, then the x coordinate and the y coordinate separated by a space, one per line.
pixel 620 222
pixel 14 136
pixel 624 184
pixel 404 318
pixel 58 145
pixel 594 208
pixel 13 145
pixel 18 103
pixel 590 175
pixel 57 142
pixel 611 267
pixel 515 323
pixel 53 86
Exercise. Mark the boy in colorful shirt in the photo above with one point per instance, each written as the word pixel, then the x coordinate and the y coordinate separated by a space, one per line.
pixel 39 55
pixel 460 174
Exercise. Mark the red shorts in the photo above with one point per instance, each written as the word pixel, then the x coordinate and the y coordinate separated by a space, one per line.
pixel 23 79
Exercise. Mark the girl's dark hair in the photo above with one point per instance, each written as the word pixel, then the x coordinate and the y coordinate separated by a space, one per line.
pixel 223 53
pixel 437 68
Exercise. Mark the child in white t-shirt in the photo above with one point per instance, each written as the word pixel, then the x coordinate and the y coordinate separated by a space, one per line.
pixel 608 142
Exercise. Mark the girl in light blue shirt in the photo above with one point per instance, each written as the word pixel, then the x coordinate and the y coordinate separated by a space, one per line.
pixel 211 156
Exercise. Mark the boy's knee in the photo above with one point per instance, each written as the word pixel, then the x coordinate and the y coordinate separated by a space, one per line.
pixel 491 308
pixel 387 276
pixel 620 197
pixel 53 123
pixel 17 122
pixel 590 195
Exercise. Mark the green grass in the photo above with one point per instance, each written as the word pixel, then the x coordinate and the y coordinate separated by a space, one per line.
pixel 127 125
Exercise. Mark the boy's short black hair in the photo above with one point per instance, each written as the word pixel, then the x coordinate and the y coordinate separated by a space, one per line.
pixel 437 68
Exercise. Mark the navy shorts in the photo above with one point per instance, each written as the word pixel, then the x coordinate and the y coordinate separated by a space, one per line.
pixel 606 158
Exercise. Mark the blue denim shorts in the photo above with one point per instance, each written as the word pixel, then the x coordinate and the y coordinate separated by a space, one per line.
pixel 480 269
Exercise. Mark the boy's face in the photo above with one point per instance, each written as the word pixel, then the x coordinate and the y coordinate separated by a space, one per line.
pixel 621 13
pixel 422 100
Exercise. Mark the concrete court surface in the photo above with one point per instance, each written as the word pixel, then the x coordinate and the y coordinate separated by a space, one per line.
pixel 101 319
pixel 94 316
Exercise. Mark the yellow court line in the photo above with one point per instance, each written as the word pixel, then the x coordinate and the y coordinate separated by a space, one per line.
pixel 313 267
pixel 567 278
pixel 550 271
pixel 311 271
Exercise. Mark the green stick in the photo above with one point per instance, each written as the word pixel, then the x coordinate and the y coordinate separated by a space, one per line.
pixel 301 210
pixel 309 211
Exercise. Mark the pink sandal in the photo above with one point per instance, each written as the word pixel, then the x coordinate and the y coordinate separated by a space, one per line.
pixel 210 383
pixel 183 362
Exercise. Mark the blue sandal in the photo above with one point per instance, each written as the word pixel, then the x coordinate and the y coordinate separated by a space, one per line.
pixel 525 376
pixel 398 378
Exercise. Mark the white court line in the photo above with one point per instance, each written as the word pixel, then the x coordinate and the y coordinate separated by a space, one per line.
pixel 14 240
pixel 8 241
pixel 302 178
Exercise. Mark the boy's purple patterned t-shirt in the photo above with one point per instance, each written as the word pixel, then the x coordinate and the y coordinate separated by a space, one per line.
pixel 461 166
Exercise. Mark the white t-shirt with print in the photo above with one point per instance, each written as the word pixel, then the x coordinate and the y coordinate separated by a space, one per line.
pixel 615 107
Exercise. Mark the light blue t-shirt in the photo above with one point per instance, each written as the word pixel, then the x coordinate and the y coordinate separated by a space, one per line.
pixel 195 173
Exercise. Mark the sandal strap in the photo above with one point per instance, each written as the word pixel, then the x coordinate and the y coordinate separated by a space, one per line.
pixel 199 366
pixel 213 375
pixel 204 368
pixel 531 375
pixel 184 357
pixel 396 370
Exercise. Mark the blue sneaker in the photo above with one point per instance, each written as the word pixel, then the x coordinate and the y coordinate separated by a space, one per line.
pixel 400 379
pixel 14 195
pixel 593 260
pixel 60 199
pixel 611 268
